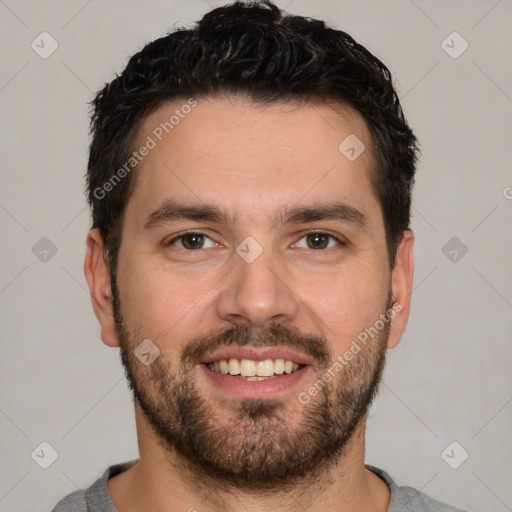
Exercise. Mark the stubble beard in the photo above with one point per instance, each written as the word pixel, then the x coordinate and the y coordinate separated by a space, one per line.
pixel 258 449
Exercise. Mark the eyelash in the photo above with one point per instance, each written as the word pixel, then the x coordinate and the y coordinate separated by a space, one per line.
pixel 182 235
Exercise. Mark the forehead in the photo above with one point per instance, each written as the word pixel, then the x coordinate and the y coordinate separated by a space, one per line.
pixel 252 158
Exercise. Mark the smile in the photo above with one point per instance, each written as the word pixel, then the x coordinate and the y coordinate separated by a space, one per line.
pixel 254 370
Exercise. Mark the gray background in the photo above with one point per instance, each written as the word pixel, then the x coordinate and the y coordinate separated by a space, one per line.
pixel 449 380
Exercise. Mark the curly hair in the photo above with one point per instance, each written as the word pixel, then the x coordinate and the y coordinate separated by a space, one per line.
pixel 255 50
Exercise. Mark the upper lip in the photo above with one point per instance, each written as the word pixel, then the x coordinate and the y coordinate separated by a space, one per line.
pixel 256 354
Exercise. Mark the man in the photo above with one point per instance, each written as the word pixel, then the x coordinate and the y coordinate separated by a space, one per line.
pixel 250 184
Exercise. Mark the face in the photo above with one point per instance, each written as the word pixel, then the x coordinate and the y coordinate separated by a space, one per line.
pixel 253 256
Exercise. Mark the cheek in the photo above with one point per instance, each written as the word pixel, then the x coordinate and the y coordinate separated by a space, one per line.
pixel 344 302
pixel 159 305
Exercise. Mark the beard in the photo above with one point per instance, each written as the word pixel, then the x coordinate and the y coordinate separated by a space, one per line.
pixel 257 449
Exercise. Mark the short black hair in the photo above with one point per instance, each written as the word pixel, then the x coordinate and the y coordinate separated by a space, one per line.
pixel 255 50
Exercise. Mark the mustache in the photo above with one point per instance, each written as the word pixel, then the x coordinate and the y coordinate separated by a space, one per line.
pixel 273 335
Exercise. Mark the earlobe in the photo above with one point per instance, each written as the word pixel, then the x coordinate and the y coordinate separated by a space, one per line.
pixel 401 288
pixel 98 278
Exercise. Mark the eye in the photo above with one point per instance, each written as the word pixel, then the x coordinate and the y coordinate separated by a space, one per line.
pixel 192 241
pixel 318 240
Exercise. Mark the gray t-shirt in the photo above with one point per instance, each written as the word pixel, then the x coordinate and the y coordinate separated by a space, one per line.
pixel 97 498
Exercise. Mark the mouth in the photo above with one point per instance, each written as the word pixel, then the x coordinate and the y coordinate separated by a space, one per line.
pixel 253 370
pixel 256 373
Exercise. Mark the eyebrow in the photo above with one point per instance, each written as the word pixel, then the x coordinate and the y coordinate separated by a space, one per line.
pixel 172 211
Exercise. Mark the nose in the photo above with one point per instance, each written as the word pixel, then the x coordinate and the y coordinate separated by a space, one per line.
pixel 257 294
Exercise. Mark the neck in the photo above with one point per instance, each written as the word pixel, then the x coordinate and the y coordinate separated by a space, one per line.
pixel 171 484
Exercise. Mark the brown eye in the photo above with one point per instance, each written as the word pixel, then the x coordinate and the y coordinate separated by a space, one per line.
pixel 317 240
pixel 192 241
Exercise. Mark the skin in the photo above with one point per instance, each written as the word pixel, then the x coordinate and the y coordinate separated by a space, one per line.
pixel 252 161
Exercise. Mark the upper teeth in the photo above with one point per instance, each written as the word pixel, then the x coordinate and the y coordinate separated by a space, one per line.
pixel 250 368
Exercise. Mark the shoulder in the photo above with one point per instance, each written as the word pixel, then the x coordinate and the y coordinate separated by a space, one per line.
pixel 407 499
pixel 74 502
pixel 416 501
pixel 96 498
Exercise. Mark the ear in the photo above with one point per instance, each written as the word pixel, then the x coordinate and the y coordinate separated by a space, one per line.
pixel 401 288
pixel 98 277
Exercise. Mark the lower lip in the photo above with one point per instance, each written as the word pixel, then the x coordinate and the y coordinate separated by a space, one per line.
pixel 241 388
